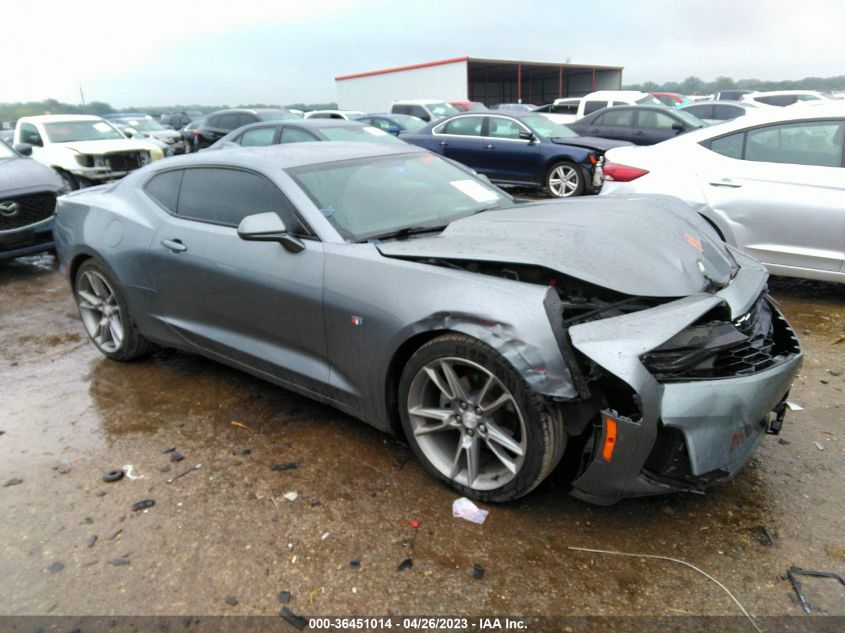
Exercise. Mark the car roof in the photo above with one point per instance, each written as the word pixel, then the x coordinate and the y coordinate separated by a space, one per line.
pixel 288 155
pixel 126 115
pixel 249 110
pixel 418 101
pixel 620 94
pixel 60 118
pixel 741 104
pixel 313 123
pixel 777 93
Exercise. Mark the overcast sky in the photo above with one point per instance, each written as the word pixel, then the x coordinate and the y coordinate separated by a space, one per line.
pixel 277 51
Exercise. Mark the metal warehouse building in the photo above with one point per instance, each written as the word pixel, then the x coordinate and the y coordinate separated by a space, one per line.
pixel 490 81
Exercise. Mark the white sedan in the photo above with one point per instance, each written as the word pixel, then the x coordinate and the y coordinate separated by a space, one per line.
pixel 771 183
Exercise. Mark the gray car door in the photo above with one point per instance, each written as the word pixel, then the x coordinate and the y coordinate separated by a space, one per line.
pixel 253 303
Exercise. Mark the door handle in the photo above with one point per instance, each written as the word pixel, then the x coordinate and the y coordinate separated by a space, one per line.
pixel 174 245
pixel 725 182
pixel 443 143
pixel 489 147
pixel 639 133
pixel 594 130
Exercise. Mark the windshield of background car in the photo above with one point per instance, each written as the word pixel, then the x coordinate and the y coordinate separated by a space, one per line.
pixel 472 106
pixel 442 109
pixel 690 119
pixel 6 151
pixel 68 131
pixel 648 100
pixel 277 116
pixel 144 125
pixel 365 133
pixel 544 126
pixel 371 196
pixel 410 123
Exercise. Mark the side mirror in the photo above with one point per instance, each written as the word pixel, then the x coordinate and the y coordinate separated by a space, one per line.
pixel 24 149
pixel 131 132
pixel 268 227
pixel 527 136
pixel 394 129
pixel 678 127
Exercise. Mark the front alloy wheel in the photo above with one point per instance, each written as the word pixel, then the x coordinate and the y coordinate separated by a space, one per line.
pixel 564 180
pixel 474 423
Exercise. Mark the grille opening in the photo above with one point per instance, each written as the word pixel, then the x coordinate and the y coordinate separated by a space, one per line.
pixel 20 211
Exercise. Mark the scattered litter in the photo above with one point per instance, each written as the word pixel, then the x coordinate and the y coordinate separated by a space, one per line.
pixel 56 567
pixel 168 450
pixel 244 451
pixel 680 562
pixel 143 505
pixel 405 564
pixel 129 469
pixel 115 535
pixel 314 502
pixel 113 475
pixel 477 571
pixel 819 446
pixel 762 535
pixel 407 544
pixel 176 456
pixel 284 597
pixel 293 560
pixel 783 441
pixel 355 563
pixel 837 341
pixel 240 425
pixel 92 540
pixel 119 562
pixel 182 474
pixel 792 572
pixel 794 406
pixel 13 482
pixel 2 432
pixel 297 621
pixel 290 546
pixel 833 372
pixel 232 601
pixel 291 496
pixel 88 520
pixel 64 467
pixel 324 536
pixel 354 589
pixel 165 469
pixel 463 508
pixel 283 467
pixel 415 524
pixel 667 510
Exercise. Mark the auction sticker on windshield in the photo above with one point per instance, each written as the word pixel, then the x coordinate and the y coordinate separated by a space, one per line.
pixel 475 190
pixel 102 127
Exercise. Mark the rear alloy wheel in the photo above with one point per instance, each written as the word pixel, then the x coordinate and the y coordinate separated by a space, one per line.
pixel 564 180
pixel 105 315
pixel 474 423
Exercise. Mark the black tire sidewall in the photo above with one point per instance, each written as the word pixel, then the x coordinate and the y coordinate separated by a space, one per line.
pixel 534 469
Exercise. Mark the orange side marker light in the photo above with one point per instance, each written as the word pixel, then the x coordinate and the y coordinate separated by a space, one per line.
pixel 609 439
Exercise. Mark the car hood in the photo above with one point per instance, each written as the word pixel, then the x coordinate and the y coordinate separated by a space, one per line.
pixel 652 246
pixel 105 147
pixel 163 134
pixel 591 142
pixel 22 174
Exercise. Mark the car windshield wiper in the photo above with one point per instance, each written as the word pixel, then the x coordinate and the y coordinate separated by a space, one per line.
pixel 404 232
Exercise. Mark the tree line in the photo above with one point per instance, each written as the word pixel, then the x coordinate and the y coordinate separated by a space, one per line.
pixel 13 111
pixel 694 85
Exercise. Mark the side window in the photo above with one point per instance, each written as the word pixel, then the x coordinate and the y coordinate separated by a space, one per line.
pixel 213 121
pixel 257 137
pixel 808 143
pixel 419 111
pixel 321 115
pixel 295 135
pixel 503 128
pixel 463 126
pixel 382 124
pixel 246 119
pixel 655 120
pixel 367 120
pixel 227 122
pixel 592 106
pixel 730 146
pixel 617 117
pixel 723 112
pixel 705 111
pixel 565 109
pixel 29 134
pixel 164 189
pixel 777 100
pixel 227 196
pixel 401 109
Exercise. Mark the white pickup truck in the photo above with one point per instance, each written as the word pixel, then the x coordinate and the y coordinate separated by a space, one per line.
pixel 83 149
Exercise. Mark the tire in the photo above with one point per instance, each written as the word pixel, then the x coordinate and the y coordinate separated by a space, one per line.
pixel 514 436
pixel 564 180
pixel 105 314
pixel 71 182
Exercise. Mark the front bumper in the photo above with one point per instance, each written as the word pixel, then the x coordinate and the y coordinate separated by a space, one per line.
pixel 27 240
pixel 688 435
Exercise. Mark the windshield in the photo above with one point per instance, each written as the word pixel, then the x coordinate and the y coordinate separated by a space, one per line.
pixel 6 151
pixel 371 196
pixel 354 133
pixel 544 126
pixel 143 125
pixel 277 115
pixel 68 131
pixel 648 100
pixel 690 118
pixel 410 123
pixel 474 106
pixel 442 109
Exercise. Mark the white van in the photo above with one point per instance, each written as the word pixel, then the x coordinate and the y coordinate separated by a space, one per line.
pixel 561 111
pixel 608 98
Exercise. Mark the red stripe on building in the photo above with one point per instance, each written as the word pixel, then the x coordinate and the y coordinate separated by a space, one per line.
pixel 399 69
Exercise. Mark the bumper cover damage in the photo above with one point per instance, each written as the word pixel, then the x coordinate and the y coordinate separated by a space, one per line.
pixel 692 431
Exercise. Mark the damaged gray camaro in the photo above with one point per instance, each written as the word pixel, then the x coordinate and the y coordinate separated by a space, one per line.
pixel 618 336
